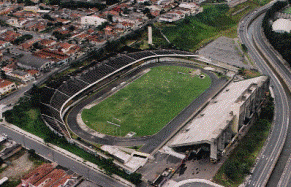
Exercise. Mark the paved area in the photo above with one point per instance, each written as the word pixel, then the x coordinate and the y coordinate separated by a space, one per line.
pixel 191 183
pixel 224 50
pixel 198 169
pixel 87 184
pixel 153 168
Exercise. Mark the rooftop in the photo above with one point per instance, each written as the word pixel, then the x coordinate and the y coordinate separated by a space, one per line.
pixel 216 116
pixel 4 83
pixel 33 61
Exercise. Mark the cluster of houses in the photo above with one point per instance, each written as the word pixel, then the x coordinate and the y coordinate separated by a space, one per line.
pixel 37 38
pixel 48 175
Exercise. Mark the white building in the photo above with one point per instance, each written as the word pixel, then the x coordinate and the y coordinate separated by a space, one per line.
pixel 6 86
pixel 231 110
pixel 282 25
pixel 92 20
pixel 169 17
pixel 33 9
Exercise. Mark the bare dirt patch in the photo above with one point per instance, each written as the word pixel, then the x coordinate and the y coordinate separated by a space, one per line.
pixel 18 167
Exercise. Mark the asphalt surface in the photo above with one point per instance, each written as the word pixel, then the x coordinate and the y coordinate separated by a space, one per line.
pixel 274 145
pixel 149 142
pixel 63 160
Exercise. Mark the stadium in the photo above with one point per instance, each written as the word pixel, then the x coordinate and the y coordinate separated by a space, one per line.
pixel 63 104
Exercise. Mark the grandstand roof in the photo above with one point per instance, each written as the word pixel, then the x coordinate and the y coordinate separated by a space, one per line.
pixel 217 115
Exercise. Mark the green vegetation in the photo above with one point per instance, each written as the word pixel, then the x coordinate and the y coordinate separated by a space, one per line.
pixel 195 31
pixel 280 41
pixel 22 39
pixel 148 104
pixel 26 115
pixel 35 158
pixel 239 163
pixel 11 183
pixel 248 74
pixel 287 10
pixel 61 36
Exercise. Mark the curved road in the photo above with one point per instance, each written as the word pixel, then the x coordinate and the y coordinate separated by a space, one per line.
pixel 269 64
pixel 149 142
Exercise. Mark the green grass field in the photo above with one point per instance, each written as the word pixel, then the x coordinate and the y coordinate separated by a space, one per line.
pixel 288 10
pixel 148 104
pixel 194 31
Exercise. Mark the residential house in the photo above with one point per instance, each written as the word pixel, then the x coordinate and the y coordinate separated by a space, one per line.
pixel 4 44
pixel 6 86
pixel 21 76
pixel 9 36
pixel 17 22
pixel 33 72
pixel 92 20
pixel 47 42
pixel 31 8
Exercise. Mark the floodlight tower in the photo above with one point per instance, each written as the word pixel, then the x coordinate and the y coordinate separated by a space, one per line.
pixel 150 35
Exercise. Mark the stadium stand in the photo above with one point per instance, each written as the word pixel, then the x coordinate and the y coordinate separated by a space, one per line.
pixel 48 110
pixel 120 61
pixel 52 123
pixel 96 73
pixel 58 99
pixel 72 86
pixel 46 94
pixel 139 55
pixel 163 52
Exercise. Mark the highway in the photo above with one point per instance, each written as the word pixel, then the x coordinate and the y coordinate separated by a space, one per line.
pixel 268 63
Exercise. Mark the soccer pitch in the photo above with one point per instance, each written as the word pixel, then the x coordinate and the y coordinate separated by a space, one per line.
pixel 149 103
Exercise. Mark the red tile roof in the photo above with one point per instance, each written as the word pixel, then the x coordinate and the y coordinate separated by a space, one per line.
pixel 51 178
pixel 36 174
pixel 4 83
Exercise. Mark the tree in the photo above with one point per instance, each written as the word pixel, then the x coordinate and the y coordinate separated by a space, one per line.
pixel 135 178
pixel 3 74
pixel 48 17
pixel 109 18
pixel 111 2
pixel 71 28
pixel 244 47
pixel 230 169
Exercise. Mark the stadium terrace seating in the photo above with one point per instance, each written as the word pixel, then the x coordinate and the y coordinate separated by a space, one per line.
pixel 52 123
pixel 72 86
pixel 46 94
pixel 58 99
pixel 96 73
pixel 139 55
pixel 119 62
pixel 48 110
pixel 163 52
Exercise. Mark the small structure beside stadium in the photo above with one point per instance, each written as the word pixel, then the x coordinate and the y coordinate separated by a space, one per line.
pixel 224 116
pixel 282 25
